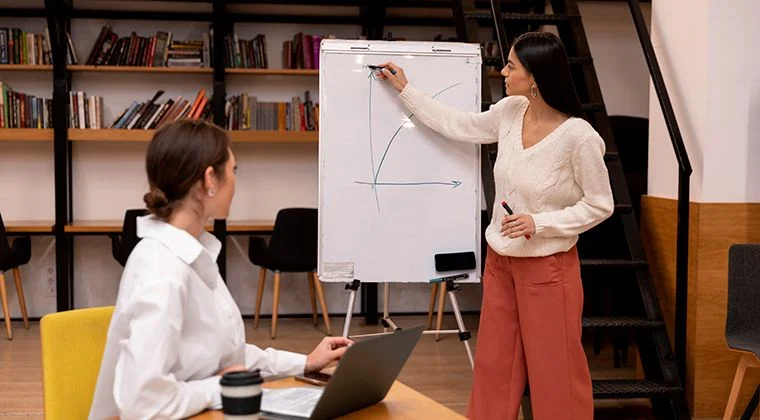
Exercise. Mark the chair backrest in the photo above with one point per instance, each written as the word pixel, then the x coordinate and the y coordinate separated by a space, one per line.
pixel 129 237
pixel 743 290
pixel 72 349
pixel 294 238
pixel 5 247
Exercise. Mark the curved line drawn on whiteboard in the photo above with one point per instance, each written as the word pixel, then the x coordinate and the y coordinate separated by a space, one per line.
pixel 371 147
pixel 376 172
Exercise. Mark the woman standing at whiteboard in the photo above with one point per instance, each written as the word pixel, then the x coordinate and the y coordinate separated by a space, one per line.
pixel 550 169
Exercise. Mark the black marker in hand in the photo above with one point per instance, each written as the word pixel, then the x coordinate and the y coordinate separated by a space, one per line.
pixel 509 210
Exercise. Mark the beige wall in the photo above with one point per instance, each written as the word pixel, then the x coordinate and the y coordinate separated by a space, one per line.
pixel 706 52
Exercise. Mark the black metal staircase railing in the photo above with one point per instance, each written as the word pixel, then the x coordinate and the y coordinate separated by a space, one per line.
pixel 684 174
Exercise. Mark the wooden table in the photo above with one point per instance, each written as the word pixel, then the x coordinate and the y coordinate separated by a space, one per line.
pixel 401 402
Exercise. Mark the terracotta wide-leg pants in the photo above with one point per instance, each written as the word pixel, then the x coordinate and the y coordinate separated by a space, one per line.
pixel 530 326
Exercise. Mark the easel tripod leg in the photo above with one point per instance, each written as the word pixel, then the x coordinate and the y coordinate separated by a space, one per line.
pixel 464 335
pixel 386 305
pixel 353 286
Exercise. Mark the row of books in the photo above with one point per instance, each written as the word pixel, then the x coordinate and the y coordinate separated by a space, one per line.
pixel 245 112
pixel 151 114
pixel 85 111
pixel 247 54
pixel 22 110
pixel 19 47
pixel 302 52
pixel 159 50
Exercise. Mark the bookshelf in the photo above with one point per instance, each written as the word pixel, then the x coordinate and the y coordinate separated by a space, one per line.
pixel 73 146
pixel 26 134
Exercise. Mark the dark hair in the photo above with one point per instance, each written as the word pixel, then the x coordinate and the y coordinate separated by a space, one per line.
pixel 544 56
pixel 177 158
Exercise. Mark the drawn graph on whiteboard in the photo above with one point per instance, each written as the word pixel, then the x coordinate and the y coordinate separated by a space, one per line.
pixel 374 183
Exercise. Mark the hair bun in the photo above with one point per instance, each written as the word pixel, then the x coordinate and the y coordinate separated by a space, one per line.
pixel 157 202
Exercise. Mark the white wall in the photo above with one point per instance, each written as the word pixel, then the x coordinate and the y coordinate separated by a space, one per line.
pixel 109 178
pixel 732 147
pixel 706 49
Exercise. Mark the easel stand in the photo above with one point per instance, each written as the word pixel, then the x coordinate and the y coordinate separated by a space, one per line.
pixel 389 326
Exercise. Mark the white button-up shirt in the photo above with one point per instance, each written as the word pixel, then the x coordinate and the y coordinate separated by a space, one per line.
pixel 174 326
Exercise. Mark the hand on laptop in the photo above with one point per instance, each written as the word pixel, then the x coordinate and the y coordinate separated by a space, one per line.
pixel 331 349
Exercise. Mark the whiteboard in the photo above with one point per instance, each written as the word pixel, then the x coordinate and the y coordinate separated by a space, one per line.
pixel 392 192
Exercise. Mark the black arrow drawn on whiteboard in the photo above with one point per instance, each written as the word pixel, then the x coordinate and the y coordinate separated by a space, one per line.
pixel 453 184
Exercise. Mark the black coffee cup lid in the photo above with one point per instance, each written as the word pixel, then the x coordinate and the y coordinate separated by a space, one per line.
pixel 243 378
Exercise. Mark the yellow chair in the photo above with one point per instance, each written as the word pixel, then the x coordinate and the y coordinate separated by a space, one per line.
pixel 72 348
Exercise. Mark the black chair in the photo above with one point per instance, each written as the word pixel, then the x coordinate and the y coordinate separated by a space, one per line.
pixel 293 249
pixel 122 245
pixel 742 320
pixel 12 257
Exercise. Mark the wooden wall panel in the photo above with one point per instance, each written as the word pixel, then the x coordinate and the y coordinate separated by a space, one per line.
pixel 713 228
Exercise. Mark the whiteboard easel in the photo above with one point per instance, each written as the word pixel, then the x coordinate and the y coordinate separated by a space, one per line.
pixel 387 182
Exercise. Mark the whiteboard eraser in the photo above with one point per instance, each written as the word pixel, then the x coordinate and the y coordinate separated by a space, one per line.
pixel 455 261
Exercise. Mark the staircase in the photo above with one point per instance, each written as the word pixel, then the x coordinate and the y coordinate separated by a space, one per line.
pixel 613 262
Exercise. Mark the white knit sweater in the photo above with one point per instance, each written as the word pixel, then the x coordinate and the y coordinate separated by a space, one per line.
pixel 561 181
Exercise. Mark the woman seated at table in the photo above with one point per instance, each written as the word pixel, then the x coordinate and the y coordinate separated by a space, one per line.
pixel 175 328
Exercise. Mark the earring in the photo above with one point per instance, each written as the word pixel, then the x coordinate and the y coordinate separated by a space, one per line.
pixel 211 192
pixel 534 91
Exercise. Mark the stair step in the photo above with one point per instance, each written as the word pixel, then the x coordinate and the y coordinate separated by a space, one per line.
pixel 620 389
pixel 621 322
pixel 585 59
pixel 623 208
pixel 594 106
pixel 527 17
pixel 613 263
pixel 633 388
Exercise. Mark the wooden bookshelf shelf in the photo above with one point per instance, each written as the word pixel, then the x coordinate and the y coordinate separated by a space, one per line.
pixel 186 70
pixel 495 74
pixel 139 69
pixel 275 72
pixel 26 134
pixel 114 226
pixel 94 226
pixel 29 226
pixel 109 134
pixel 253 136
pixel 237 136
pixel 26 67
pixel 249 226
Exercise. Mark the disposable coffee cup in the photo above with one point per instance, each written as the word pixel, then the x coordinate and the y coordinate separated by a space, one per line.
pixel 241 395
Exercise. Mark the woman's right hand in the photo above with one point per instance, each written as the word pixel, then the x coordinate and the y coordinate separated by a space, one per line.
pixel 398 80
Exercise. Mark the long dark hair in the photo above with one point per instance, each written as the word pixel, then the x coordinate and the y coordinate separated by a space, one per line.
pixel 544 56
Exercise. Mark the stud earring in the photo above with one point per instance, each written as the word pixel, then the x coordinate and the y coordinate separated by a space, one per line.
pixel 211 192
pixel 534 91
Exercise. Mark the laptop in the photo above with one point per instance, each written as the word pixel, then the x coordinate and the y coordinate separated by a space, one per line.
pixel 363 378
